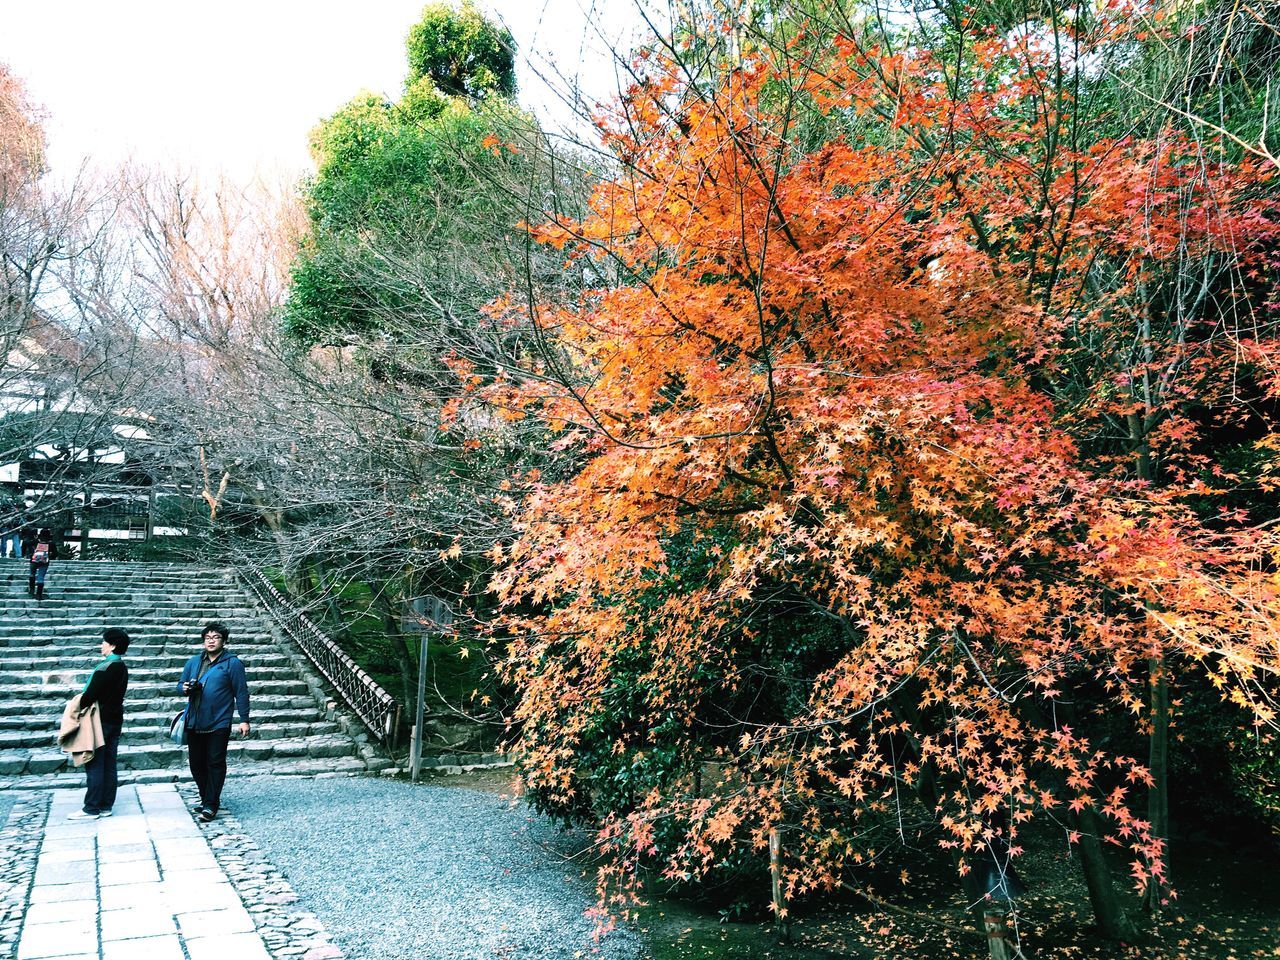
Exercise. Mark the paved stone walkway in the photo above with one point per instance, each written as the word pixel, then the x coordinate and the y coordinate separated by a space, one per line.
pixel 143 883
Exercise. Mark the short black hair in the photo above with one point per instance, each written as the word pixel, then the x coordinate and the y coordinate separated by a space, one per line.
pixel 118 639
pixel 221 629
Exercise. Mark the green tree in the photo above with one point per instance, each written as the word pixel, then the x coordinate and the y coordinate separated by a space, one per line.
pixel 414 228
pixel 461 52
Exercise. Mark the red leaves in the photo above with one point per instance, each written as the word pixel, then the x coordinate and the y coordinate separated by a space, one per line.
pixel 860 405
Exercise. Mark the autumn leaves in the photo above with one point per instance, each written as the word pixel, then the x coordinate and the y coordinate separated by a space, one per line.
pixel 844 532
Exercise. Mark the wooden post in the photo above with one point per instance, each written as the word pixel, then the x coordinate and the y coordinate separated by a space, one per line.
pixel 423 644
pixel 993 919
pixel 781 909
pixel 150 532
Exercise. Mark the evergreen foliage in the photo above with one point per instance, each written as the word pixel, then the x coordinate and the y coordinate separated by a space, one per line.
pixel 461 52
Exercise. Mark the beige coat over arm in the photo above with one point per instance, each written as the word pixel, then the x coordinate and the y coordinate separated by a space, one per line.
pixel 80 734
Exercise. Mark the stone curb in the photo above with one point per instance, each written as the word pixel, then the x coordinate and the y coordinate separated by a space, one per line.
pixel 19 847
pixel 288 931
pixel 454 766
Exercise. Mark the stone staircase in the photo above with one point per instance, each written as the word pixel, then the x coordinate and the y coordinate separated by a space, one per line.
pixel 48 648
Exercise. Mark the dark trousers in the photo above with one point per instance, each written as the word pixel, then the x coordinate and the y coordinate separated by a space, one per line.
pixel 207 757
pixel 100 772
pixel 35 578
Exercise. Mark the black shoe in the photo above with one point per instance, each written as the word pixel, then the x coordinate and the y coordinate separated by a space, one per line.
pixel 207 815
pixel 198 807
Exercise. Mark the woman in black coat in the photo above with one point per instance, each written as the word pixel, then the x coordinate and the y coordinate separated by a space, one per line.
pixel 106 688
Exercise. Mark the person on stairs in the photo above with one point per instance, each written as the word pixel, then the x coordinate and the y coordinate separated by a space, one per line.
pixel 45 550
pixel 106 687
pixel 213 681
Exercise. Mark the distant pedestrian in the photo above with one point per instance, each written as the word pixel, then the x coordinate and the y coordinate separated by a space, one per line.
pixel 11 544
pixel 214 684
pixel 27 541
pixel 45 551
pixel 105 689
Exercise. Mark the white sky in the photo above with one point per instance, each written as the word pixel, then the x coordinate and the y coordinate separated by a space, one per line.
pixel 236 85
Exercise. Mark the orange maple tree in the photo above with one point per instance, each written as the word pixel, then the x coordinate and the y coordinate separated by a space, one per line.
pixel 834 384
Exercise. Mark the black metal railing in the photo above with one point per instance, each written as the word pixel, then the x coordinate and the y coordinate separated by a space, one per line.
pixel 376 708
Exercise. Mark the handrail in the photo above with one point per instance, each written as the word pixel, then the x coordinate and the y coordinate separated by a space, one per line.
pixel 376 708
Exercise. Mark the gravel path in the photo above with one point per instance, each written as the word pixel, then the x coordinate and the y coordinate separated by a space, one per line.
pixel 399 871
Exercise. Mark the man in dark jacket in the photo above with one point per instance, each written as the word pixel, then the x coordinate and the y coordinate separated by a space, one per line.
pixel 214 683
pixel 106 688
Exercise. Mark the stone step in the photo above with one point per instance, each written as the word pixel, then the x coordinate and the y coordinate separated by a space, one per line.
pixel 46 660
pixel 171 656
pixel 17 590
pixel 47 649
pixel 147 629
pixel 82 611
pixel 77 643
pixel 38 660
pixel 164 650
pixel 17 585
pixel 155 756
pixel 279 767
pixel 67 634
pixel 51 708
pixel 158 663
pixel 161 624
pixel 84 649
pixel 119 574
pixel 13 634
pixel 153 713
pixel 142 684
pixel 64 600
pixel 61 599
pixel 71 572
pixel 111 568
pixel 85 643
pixel 149 728
pixel 28 610
pixel 14 691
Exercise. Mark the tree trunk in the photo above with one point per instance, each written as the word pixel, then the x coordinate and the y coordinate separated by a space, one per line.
pixel 274 520
pixel 778 888
pixel 1158 797
pixel 406 660
pixel 989 915
pixel 1108 909
pixel 1142 421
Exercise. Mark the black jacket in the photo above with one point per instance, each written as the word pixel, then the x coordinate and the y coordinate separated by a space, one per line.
pixel 106 688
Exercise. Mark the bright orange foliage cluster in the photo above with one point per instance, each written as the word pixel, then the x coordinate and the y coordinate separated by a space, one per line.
pixel 856 377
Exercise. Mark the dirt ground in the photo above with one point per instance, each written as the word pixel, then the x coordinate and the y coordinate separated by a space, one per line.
pixel 1227 908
